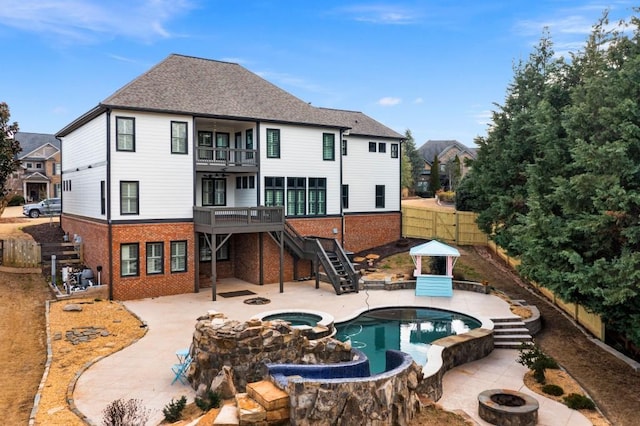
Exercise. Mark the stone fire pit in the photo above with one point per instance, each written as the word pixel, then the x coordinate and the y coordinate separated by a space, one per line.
pixel 507 408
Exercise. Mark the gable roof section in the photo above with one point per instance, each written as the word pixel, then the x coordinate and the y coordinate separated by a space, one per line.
pixel 360 124
pixel 30 142
pixel 432 148
pixel 204 87
pixel 434 248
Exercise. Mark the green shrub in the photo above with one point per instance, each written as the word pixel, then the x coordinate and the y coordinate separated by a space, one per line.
pixel 447 196
pixel 554 390
pixel 16 200
pixel 173 410
pixel 532 357
pixel 576 401
pixel 211 400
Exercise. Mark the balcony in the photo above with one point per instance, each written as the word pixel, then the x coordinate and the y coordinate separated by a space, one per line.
pixel 232 159
pixel 219 220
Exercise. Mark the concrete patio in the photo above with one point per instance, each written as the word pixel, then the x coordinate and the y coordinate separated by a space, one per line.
pixel 143 370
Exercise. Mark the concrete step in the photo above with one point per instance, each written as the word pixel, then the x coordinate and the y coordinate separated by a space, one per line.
pixel 512 324
pixel 514 330
pixel 512 338
pixel 506 319
pixel 506 345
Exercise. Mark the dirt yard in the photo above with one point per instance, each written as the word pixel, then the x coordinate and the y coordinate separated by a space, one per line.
pixel 613 385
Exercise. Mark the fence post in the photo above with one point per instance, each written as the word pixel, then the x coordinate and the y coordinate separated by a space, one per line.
pixel 53 270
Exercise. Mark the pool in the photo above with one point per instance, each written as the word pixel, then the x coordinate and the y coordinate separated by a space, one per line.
pixel 410 330
pixel 295 318
pixel 313 324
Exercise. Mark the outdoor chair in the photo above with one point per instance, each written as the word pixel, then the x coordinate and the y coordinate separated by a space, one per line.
pixel 180 370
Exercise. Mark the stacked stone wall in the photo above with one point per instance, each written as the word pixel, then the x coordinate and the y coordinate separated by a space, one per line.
pixel 247 347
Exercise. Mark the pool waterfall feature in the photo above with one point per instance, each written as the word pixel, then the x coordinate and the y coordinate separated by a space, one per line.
pixel 250 347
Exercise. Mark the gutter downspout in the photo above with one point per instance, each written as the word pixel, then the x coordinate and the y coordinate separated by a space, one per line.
pixel 342 219
pixel 108 196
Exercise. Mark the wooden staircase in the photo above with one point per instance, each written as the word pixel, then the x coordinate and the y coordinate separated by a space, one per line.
pixel 345 283
pixel 509 333
pixel 325 253
pixel 263 404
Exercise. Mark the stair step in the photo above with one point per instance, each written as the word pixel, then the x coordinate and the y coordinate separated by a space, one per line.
pixel 511 324
pixel 512 338
pixel 249 410
pixel 268 395
pixel 518 330
pixel 228 416
pixel 507 345
pixel 506 319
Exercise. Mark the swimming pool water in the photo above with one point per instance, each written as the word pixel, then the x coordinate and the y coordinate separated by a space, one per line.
pixel 296 318
pixel 410 330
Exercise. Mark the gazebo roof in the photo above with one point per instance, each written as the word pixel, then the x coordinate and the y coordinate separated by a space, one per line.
pixel 434 248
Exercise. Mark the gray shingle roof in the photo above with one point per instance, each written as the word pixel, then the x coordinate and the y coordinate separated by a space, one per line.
pixel 29 142
pixel 360 124
pixel 432 148
pixel 205 87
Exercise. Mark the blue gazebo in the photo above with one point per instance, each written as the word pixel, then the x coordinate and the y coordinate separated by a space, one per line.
pixel 429 282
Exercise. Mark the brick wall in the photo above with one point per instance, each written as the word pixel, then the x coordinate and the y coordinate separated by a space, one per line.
pixel 142 286
pixel 371 230
pixel 95 243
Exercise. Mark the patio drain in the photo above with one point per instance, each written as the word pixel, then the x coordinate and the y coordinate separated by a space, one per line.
pixel 257 301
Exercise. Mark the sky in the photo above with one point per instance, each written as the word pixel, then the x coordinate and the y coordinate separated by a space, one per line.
pixel 435 67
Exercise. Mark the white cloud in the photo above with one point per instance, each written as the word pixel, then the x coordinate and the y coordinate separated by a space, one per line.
pixel 389 101
pixel 87 21
pixel 418 101
pixel 381 14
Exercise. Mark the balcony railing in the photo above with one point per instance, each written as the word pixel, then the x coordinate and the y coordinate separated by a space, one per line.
pixel 238 219
pixel 226 156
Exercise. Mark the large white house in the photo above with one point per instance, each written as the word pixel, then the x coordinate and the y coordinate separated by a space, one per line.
pixel 199 170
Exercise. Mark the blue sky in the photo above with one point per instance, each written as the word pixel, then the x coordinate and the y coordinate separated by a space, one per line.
pixel 434 67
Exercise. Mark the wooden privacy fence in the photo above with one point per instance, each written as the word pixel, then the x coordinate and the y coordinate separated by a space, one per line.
pixel 449 226
pixel 21 253
pixel 588 320
pixel 460 228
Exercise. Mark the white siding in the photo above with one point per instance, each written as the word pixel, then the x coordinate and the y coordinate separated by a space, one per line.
pixel 363 170
pixel 84 165
pixel 165 179
pixel 301 156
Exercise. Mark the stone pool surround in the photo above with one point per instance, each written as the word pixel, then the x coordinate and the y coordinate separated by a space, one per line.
pixel 248 348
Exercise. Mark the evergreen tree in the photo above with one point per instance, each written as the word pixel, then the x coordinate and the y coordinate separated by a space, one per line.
pixel 591 219
pixel 9 148
pixel 510 147
pixel 434 177
pixel 415 159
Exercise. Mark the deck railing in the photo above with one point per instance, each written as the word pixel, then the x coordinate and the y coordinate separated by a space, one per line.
pixel 226 156
pixel 250 219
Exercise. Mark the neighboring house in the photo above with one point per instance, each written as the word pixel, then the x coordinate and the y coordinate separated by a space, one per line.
pixel 199 170
pixel 446 151
pixel 39 174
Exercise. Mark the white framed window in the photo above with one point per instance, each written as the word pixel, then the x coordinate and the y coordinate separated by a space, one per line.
pixel 155 258
pixel 178 256
pixel 129 198
pixel 129 260
pixel 125 134
pixel 179 137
